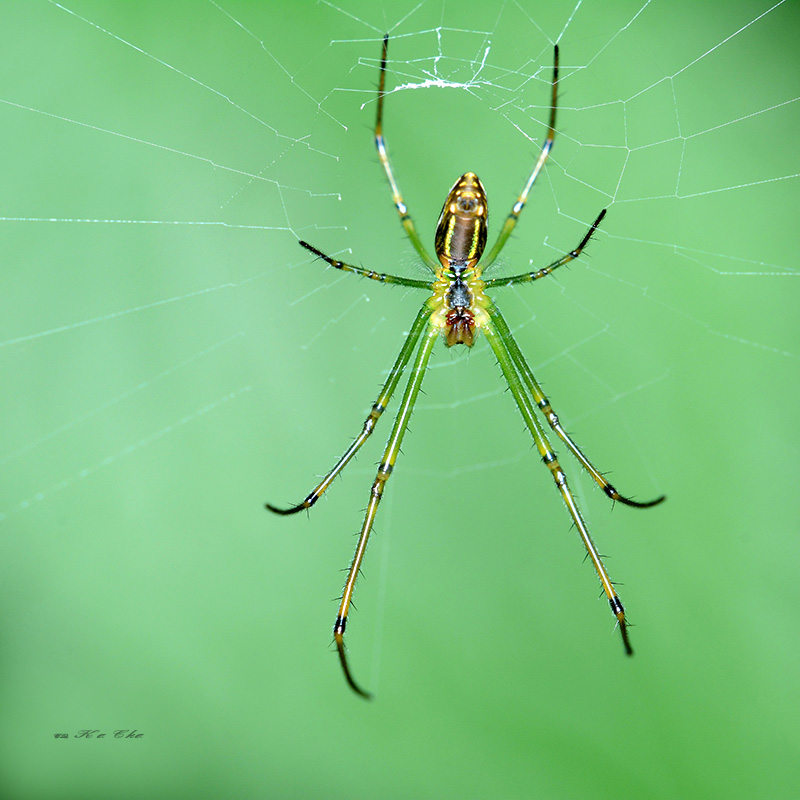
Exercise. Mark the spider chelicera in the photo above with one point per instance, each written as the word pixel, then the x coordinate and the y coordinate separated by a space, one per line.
pixel 457 309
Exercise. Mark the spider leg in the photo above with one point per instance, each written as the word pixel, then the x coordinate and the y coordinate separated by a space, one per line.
pixel 516 209
pixel 378 408
pixel 397 198
pixel 527 277
pixel 552 418
pixel 383 474
pixel 368 273
pixel 500 347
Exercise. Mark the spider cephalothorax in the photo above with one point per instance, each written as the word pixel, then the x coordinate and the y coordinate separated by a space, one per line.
pixel 456 308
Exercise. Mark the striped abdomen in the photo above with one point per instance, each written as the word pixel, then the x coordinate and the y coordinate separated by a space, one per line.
pixel 461 231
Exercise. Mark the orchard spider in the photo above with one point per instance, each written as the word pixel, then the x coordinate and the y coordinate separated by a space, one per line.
pixel 457 309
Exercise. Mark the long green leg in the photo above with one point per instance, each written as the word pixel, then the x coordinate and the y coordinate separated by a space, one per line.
pixel 368 273
pixel 527 277
pixel 384 471
pixel 378 408
pixel 552 418
pixel 501 351
pixel 397 198
pixel 516 209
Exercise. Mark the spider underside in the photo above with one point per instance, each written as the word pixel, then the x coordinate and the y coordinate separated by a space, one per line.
pixel 457 309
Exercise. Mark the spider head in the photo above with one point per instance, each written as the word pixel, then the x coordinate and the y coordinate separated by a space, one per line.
pixel 461 230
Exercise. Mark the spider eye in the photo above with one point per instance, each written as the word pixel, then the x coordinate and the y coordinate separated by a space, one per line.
pixel 466 204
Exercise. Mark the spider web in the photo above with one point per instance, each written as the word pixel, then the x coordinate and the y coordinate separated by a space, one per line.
pixel 163 333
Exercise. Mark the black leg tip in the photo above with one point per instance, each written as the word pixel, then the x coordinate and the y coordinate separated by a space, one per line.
pixel 648 504
pixel 628 649
pixel 626 642
pixel 285 511
pixel 618 498
pixel 338 637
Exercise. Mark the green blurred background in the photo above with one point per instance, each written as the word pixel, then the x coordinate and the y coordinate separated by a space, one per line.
pixel 171 359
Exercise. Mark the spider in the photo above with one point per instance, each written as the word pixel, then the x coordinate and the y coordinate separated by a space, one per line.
pixel 457 308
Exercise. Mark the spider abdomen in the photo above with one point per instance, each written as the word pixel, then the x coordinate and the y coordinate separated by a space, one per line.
pixel 461 230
